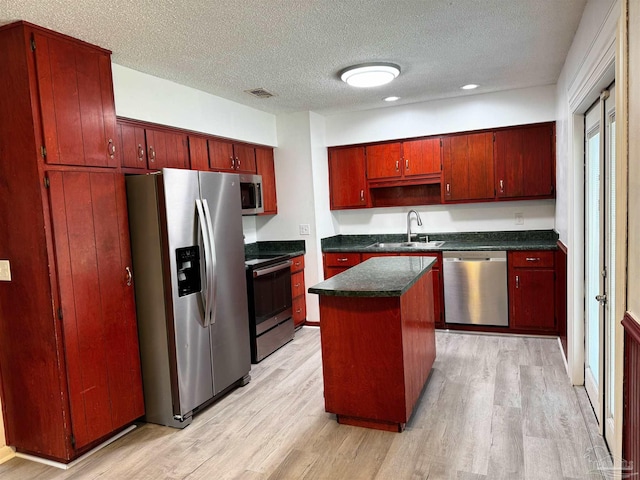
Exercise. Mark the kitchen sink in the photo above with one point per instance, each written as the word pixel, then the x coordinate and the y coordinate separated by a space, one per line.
pixel 409 245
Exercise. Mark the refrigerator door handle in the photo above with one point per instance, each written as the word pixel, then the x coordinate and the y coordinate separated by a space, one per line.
pixel 213 288
pixel 207 261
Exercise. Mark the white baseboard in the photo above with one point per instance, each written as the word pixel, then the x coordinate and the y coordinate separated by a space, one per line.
pixel 6 453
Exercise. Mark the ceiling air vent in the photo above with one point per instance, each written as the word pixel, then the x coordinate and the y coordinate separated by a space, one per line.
pixel 260 93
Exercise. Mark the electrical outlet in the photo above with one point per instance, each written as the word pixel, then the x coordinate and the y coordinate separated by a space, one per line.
pixel 305 229
pixel 5 271
pixel 519 219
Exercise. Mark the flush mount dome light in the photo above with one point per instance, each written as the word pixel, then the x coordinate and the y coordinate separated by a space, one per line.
pixel 470 86
pixel 370 74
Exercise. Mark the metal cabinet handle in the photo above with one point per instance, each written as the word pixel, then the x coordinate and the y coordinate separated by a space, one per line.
pixel 602 299
pixel 501 186
pixel 297 285
pixel 448 188
pixel 129 276
pixel 532 259
pixel 362 195
pixel 397 165
pixel 517 281
pixel 299 310
pixel 297 264
pixel 406 163
pixel 233 163
pixel 343 259
pixel 237 163
pixel 140 152
pixel 111 148
pixel 152 154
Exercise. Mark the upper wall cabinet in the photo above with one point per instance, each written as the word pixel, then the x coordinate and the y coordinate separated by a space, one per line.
pixel 468 167
pixel 76 100
pixel 152 148
pixel 403 160
pixel 347 180
pixel 524 159
pixel 265 167
pixel 231 157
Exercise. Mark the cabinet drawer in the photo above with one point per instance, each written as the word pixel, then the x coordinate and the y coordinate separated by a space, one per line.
pixel 297 284
pixel 341 259
pixel 532 259
pixel 299 310
pixel 297 263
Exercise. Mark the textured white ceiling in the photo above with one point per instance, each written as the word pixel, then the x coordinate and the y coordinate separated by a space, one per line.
pixel 295 48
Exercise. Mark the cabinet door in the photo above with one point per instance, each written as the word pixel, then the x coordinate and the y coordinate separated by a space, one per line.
pixel 132 146
pixel 468 167
pixel 524 161
pixel 245 158
pixel 265 167
pixel 384 161
pixel 347 180
pixel 76 101
pixel 166 149
pixel 221 155
pixel 91 237
pixel 532 299
pixel 421 157
pixel 198 153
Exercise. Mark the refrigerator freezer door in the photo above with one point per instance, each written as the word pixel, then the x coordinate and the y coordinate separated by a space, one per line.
pixel 230 352
pixel 192 342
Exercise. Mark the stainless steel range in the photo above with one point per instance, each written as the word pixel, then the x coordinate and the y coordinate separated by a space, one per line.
pixel 270 306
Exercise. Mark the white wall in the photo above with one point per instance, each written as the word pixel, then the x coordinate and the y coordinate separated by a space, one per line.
pixel 538 215
pixel 296 197
pixel 470 112
pixel 145 97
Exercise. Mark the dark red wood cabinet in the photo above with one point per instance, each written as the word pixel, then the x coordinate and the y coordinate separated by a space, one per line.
pixel 524 160
pixel 467 162
pixel 147 148
pixel 266 168
pixel 69 362
pixel 75 92
pixel 403 160
pixel 532 288
pixel 298 290
pixel 347 178
pixel 227 156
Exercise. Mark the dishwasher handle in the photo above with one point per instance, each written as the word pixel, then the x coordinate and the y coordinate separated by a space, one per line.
pixel 474 259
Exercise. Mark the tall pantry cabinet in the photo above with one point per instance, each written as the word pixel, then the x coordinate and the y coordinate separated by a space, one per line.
pixel 69 362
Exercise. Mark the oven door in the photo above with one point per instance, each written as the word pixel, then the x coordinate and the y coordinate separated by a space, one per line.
pixel 271 295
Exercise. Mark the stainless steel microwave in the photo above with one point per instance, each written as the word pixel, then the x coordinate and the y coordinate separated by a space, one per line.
pixel 251 193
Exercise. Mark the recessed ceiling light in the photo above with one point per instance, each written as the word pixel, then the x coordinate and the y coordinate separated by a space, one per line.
pixel 370 74
pixel 471 86
pixel 391 99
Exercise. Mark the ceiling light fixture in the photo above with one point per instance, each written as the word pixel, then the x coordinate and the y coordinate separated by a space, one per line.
pixel 370 74
pixel 471 86
pixel 391 99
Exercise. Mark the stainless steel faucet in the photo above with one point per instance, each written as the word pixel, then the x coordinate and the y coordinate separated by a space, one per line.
pixel 409 223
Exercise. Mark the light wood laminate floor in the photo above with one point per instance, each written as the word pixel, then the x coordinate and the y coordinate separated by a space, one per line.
pixel 495 407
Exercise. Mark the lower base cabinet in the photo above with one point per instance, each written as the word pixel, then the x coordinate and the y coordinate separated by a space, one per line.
pixel 298 291
pixel 532 291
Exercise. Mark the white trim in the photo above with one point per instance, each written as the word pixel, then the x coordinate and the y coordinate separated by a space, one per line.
pixel 67 466
pixel 6 453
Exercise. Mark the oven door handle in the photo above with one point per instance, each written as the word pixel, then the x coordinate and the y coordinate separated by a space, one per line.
pixel 204 232
pixel 274 268
pixel 213 289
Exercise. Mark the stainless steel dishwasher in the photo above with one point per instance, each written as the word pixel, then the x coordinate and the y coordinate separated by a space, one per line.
pixel 475 287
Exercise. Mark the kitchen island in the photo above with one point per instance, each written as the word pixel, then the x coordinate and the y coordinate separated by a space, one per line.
pixel 378 340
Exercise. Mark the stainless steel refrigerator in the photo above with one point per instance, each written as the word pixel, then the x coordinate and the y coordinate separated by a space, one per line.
pixel 191 297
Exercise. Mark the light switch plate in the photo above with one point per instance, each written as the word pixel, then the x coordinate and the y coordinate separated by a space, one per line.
pixel 5 271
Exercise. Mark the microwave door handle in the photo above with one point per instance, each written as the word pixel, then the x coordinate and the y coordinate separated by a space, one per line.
pixel 204 233
pixel 213 276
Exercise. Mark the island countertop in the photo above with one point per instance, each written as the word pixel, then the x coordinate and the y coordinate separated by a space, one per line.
pixel 376 277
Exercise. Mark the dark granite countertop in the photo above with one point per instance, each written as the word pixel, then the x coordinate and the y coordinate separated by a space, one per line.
pixel 376 277
pixel 523 240
pixel 293 248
